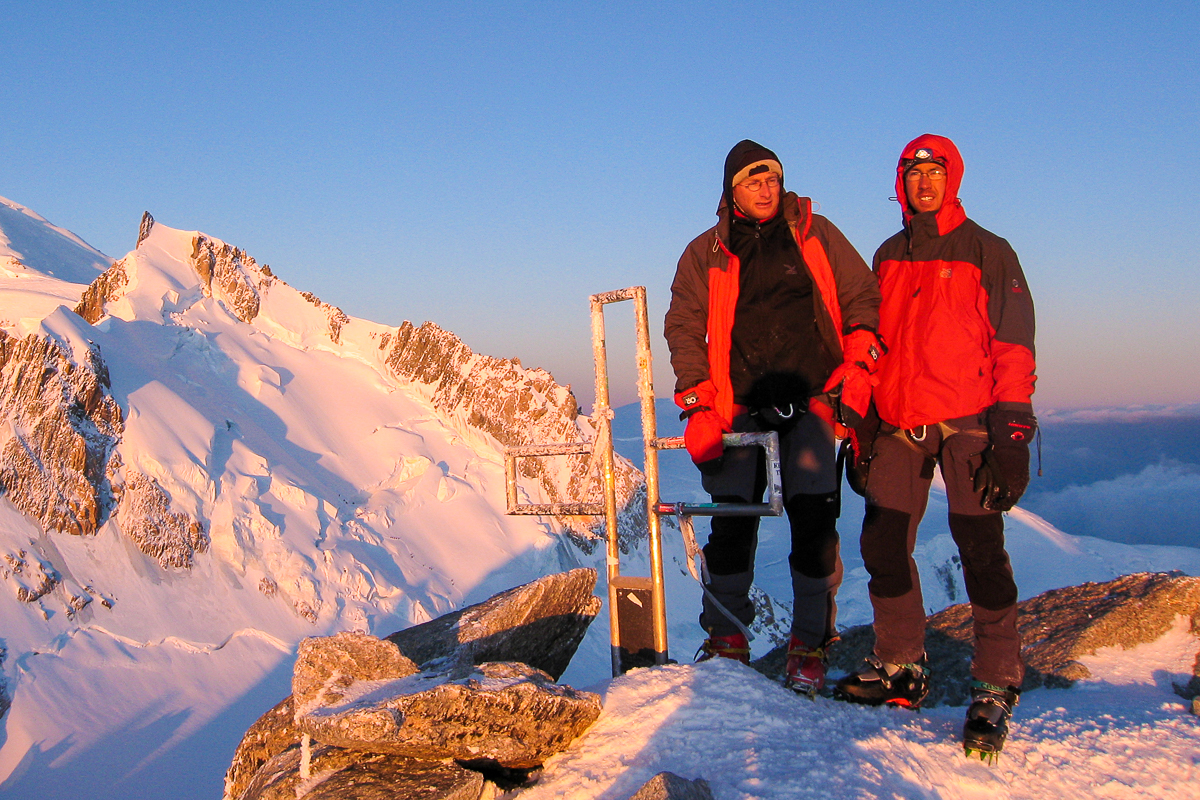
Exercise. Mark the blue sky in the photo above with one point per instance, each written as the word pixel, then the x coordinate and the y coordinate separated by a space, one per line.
pixel 489 166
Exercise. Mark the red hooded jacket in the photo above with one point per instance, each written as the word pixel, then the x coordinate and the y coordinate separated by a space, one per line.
pixel 956 315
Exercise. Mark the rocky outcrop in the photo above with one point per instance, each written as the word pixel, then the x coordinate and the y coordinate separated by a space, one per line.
pixel 540 624
pixel 1057 628
pixel 64 426
pixel 110 285
pixel 144 228
pixel 227 273
pixel 145 516
pixel 31 577
pixel 333 773
pixel 515 406
pixel 669 786
pixel 336 317
pixel 504 713
pixel 428 690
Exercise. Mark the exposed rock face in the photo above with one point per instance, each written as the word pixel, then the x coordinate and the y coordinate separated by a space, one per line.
pixel 507 713
pixel 1057 628
pixel 145 516
pixel 669 786
pixel 326 666
pixel 337 774
pixel 540 624
pixel 337 318
pixel 144 229
pixel 109 286
pixel 228 273
pixel 515 406
pixel 65 425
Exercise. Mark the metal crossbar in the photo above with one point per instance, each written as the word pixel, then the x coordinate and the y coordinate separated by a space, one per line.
pixel 637 604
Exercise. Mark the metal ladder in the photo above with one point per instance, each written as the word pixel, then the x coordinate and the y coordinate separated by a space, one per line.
pixel 637 604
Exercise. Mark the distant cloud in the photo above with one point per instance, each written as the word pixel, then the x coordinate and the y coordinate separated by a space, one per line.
pixel 1159 505
pixel 1122 413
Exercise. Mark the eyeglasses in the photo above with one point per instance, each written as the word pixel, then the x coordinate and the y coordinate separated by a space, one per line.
pixel 935 174
pixel 756 184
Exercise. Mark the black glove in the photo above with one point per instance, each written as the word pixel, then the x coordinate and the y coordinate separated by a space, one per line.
pixel 1004 473
pixel 857 450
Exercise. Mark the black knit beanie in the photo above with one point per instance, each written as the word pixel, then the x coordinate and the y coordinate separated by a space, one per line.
pixel 746 154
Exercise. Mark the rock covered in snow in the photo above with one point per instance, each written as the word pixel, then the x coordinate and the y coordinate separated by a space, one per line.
pixel 1060 625
pixel 108 286
pixel 228 273
pixel 31 577
pixel 539 624
pixel 144 512
pixel 5 697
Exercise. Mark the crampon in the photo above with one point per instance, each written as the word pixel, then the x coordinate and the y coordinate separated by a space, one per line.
pixel 986 727
pixel 806 668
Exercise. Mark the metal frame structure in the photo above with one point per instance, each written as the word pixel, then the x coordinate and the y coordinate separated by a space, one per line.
pixel 637 604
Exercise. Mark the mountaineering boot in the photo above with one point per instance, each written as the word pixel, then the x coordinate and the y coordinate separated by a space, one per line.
pixel 806 667
pixel 732 646
pixel 880 682
pixel 987 720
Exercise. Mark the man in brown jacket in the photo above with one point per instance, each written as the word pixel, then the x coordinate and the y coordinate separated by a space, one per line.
pixel 771 327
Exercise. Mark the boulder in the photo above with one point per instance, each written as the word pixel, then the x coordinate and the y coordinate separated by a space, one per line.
pixel 669 786
pixel 1057 627
pixel 328 665
pixel 508 714
pixel 336 774
pixel 540 624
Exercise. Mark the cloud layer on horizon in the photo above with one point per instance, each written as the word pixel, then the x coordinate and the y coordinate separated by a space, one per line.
pixel 1159 505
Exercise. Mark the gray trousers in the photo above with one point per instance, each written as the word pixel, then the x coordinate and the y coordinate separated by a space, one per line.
pixel 808 467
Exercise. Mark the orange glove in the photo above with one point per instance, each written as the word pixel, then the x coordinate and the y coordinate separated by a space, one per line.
pixel 864 348
pixel 704 425
pixel 849 387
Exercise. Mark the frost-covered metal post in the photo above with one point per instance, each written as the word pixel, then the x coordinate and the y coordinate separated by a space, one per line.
pixel 637 604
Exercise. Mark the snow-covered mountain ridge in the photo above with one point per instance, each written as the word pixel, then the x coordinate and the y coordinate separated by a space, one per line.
pixel 202 465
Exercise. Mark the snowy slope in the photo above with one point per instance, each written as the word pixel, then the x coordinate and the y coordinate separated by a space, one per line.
pixel 332 498
pixel 42 266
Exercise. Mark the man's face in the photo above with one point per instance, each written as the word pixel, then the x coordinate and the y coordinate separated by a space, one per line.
pixel 925 187
pixel 758 195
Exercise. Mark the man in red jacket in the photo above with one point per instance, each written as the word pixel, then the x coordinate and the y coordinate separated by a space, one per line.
pixel 771 327
pixel 954 390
